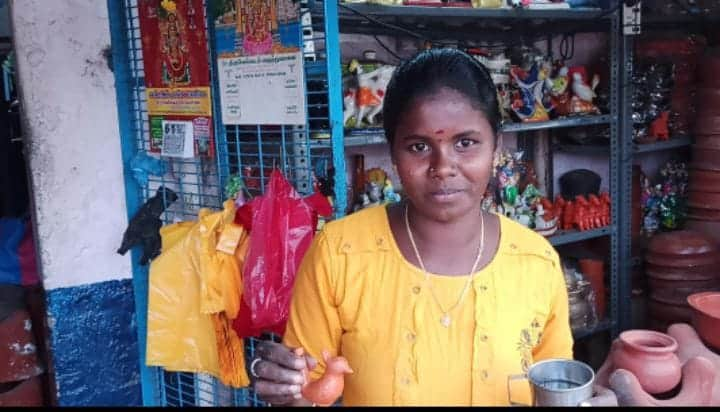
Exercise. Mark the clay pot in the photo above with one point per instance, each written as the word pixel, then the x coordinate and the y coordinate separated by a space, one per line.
pixel 709 228
pixel 704 200
pixel 705 284
pixel 704 181
pixel 679 261
pixel 594 271
pixel 670 305
pixel 650 356
pixel 681 242
pixel 706 316
pixel 707 124
pixel 706 159
pixel 703 214
pixel 671 273
pixel 708 141
pixel 25 393
pixel 708 99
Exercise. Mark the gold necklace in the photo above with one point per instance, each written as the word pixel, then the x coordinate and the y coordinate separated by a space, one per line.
pixel 445 319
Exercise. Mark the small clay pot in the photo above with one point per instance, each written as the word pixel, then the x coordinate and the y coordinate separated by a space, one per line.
pixel 706 316
pixel 650 356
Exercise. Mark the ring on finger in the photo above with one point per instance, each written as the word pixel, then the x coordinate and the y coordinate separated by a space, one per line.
pixel 252 367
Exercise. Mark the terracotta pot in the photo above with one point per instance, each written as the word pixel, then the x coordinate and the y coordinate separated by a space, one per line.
pixel 650 356
pixel 26 393
pixel 704 200
pixel 670 305
pixel 703 214
pixel 707 124
pixel 18 354
pixel 709 228
pixel 672 273
pixel 594 271
pixel 680 261
pixel 706 159
pixel 708 98
pixel 704 284
pixel 704 181
pixel 706 316
pixel 681 242
pixel 708 141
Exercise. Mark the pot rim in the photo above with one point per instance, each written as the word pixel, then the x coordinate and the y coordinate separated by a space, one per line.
pixel 634 337
pixel 695 299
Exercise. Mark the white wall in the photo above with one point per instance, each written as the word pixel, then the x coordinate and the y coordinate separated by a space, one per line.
pixel 72 134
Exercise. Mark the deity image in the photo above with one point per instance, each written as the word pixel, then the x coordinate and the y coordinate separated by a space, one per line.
pixel 175 64
pixel 256 23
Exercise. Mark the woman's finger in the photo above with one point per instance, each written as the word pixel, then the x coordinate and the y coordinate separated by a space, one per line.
pixel 270 371
pixel 280 354
pixel 267 389
pixel 279 400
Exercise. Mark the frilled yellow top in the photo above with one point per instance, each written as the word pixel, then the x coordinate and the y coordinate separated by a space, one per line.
pixel 356 295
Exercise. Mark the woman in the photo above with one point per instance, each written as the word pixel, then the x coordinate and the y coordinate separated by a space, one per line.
pixel 432 301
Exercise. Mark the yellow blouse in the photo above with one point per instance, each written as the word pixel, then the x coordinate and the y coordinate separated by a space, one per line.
pixel 356 295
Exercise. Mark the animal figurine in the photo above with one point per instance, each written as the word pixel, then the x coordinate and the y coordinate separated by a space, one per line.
pixel 389 194
pixel 144 227
pixel 371 91
pixel 329 387
pixel 583 94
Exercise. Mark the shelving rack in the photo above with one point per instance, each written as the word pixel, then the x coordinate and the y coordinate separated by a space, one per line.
pixel 447 22
pixel 297 150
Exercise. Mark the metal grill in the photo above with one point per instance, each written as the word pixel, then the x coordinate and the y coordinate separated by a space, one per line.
pixel 302 153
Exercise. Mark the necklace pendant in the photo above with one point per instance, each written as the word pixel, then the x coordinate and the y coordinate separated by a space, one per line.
pixel 445 320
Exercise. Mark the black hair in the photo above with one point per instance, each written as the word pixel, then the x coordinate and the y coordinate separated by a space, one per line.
pixel 431 70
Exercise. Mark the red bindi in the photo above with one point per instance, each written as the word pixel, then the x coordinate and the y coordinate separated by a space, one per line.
pixel 441 131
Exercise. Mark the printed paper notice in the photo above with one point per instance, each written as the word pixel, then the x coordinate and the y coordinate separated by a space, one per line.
pixel 265 89
pixel 177 139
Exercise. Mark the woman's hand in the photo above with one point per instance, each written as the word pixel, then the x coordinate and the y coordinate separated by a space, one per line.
pixel 278 373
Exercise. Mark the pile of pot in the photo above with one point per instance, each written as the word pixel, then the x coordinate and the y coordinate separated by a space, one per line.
pixel 704 176
pixel 678 264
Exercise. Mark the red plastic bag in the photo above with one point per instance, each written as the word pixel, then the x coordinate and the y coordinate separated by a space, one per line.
pixel 282 227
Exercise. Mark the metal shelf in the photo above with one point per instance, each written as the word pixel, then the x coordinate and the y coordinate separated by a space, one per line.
pixel 562 237
pixel 557 123
pixel 603 325
pixel 379 11
pixel 672 143
pixel 582 148
pixel 376 135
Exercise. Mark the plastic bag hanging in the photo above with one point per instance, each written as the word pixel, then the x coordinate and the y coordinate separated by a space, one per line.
pixel 283 225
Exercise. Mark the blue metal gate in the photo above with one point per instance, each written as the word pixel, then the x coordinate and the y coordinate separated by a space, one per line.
pixel 301 152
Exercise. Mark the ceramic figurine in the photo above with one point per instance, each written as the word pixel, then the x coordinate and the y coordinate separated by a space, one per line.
pixel 374 193
pixel 351 109
pixel 371 91
pixel 528 101
pixel 326 390
pixel 545 219
pixel 583 93
pixel 389 194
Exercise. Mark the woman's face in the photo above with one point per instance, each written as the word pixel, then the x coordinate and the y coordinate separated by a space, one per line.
pixel 443 150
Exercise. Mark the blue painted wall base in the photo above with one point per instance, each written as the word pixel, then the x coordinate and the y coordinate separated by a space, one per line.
pixel 93 341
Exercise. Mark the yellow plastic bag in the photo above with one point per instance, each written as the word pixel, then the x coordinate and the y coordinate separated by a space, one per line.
pixel 190 286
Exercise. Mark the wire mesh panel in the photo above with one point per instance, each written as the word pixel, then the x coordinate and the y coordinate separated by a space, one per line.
pixel 303 153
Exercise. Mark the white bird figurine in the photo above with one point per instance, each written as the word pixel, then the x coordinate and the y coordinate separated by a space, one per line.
pixel 582 90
